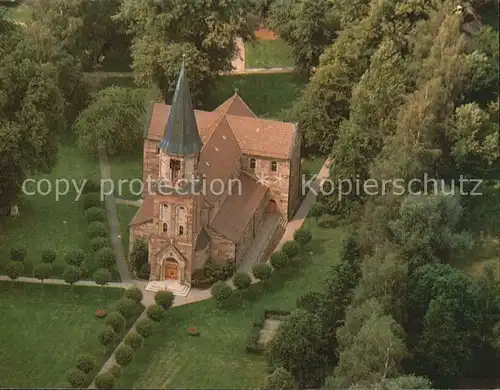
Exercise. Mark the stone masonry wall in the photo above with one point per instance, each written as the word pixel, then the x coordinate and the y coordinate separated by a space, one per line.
pixel 221 249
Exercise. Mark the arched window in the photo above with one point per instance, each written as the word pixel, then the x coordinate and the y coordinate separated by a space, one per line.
pixel 165 228
pixel 181 230
pixel 252 163
pixel 274 166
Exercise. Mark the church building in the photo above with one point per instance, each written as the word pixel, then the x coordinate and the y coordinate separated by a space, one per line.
pixel 222 181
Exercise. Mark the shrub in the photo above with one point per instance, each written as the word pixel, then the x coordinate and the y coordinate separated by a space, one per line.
pixel 85 362
pixel 155 313
pixel 91 186
pixel 262 271
pixel 280 379
pixel 134 293
pixel 18 253
pixel 303 237
pixel 242 280
pixel 124 355
pixel 134 340
pixel 291 249
pixel 126 307
pixel 164 299
pixel 92 199
pixel 105 257
pixel 106 336
pixel 97 229
pixel 139 256
pixel 144 327
pixel 75 258
pixel 14 269
pixel 116 321
pixel 48 256
pixel 144 271
pixel 279 260
pixel 95 214
pixel 42 271
pixel 309 301
pixel 98 243
pixel 105 380
pixel 72 274
pixel 221 291
pixel 102 276
pixel 75 378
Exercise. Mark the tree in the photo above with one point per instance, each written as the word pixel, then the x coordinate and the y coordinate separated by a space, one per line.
pixel 75 258
pixel 291 249
pixel 106 337
pixel 298 348
pixel 134 340
pixel 124 355
pixel 262 271
pixel 113 120
pixel 307 25
pixel 279 260
pixel 48 256
pixel 204 33
pixel 75 378
pixel 155 313
pixel 14 269
pixel 116 321
pixel 85 362
pixel 105 380
pixel 280 379
pixel 144 327
pixel 242 280
pixel 72 274
pixel 102 277
pixel 126 307
pixel 134 293
pixel 18 253
pixel 42 271
pixel 165 299
pixel 303 236
pixel 221 291
pixel 105 257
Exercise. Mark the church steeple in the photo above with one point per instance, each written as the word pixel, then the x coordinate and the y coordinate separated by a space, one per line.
pixel 181 136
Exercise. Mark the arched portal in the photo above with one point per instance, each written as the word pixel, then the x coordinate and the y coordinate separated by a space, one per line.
pixel 272 207
pixel 171 269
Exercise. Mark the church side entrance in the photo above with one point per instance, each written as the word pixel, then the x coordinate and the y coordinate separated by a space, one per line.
pixel 171 270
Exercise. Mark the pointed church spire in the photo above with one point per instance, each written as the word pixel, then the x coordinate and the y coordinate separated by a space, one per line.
pixel 181 136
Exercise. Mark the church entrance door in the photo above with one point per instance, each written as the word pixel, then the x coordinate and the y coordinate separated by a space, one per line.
pixel 171 270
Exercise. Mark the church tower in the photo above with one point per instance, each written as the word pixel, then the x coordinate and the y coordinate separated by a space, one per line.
pixel 177 200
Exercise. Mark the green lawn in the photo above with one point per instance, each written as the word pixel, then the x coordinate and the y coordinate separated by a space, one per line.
pixel 45 223
pixel 43 334
pixel 264 53
pixel 217 358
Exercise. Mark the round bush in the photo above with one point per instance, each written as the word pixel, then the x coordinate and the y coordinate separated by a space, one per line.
pixel 95 214
pixel 75 258
pixel 91 186
pixel 97 229
pixel 144 327
pixel 155 313
pixel 124 355
pixel 98 243
pixel 262 271
pixel 221 291
pixel 75 378
pixel 133 340
pixel 102 276
pixel 72 274
pixel 279 260
pixel 14 269
pixel 92 199
pixel 106 336
pixel 18 253
pixel 164 299
pixel 116 321
pixel 48 256
pixel 105 257
pixel 310 301
pixel 85 362
pixel 144 271
pixel 291 249
pixel 242 280
pixel 303 237
pixel 134 293
pixel 126 307
pixel 105 381
pixel 42 271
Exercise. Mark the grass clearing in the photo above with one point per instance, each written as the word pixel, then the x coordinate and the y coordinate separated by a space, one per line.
pixel 42 334
pixel 217 358
pixel 45 223
pixel 265 53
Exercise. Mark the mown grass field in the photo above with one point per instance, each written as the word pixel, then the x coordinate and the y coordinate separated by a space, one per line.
pixel 217 358
pixel 43 332
pixel 47 223
pixel 264 53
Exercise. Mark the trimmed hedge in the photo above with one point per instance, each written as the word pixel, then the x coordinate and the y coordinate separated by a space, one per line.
pixel 144 327
pixel 242 280
pixel 133 340
pixel 95 214
pixel 165 299
pixel 279 260
pixel 133 293
pixel 126 307
pixel 91 186
pixel 75 378
pixel 155 313
pixel 97 229
pixel 105 257
pixel 221 291
pixel 75 258
pixel 86 362
pixel 124 355
pixel 48 256
pixel 18 253
pixel 98 243
pixel 105 380
pixel 91 199
pixel 116 321
pixel 211 273
pixel 262 271
pixel 291 249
